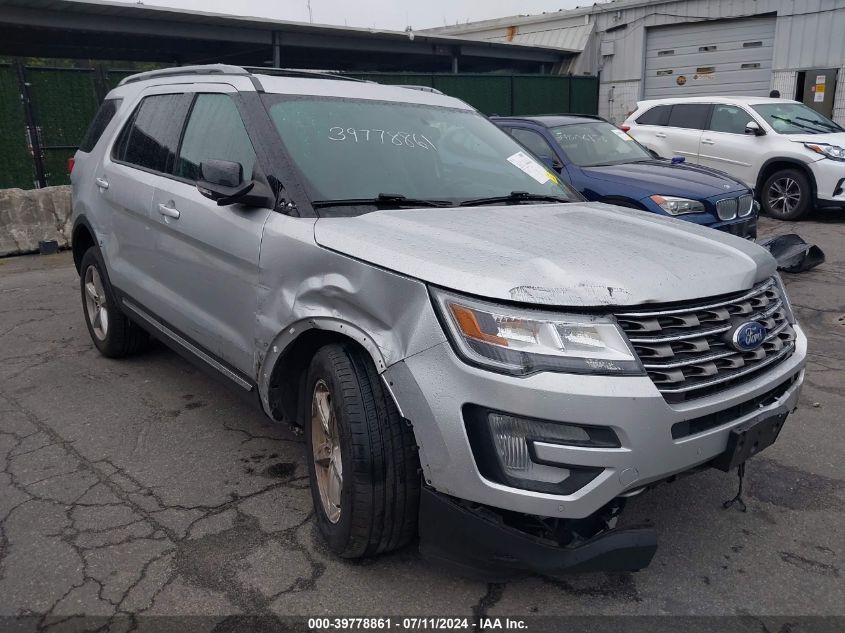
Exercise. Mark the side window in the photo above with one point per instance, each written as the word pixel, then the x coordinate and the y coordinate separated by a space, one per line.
pixel 692 116
pixel 658 115
pixel 534 142
pixel 215 131
pixel 101 121
pixel 729 118
pixel 150 138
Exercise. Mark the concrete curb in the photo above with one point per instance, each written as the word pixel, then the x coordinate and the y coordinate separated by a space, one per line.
pixel 27 217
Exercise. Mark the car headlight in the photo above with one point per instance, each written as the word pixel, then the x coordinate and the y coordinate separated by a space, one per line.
pixel 830 151
pixel 678 206
pixel 523 341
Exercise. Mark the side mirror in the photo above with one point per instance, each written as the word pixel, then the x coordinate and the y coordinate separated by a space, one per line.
pixel 222 181
pixel 752 127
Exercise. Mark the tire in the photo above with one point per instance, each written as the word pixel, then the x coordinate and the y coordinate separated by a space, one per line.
pixel 368 454
pixel 113 334
pixel 787 194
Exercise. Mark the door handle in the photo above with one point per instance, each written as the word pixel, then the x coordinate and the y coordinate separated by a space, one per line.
pixel 660 135
pixel 707 141
pixel 169 212
pixel 102 183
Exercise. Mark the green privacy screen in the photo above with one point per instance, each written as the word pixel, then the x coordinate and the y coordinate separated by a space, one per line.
pixel 63 100
pixel 506 95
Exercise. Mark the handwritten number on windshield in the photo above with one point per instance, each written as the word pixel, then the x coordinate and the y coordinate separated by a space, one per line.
pixel 381 137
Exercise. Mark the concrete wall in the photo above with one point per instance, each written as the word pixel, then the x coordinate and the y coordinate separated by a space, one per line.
pixel 27 217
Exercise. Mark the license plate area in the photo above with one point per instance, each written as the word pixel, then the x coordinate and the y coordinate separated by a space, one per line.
pixel 749 438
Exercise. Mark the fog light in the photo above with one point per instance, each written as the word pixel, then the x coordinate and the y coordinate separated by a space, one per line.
pixel 511 436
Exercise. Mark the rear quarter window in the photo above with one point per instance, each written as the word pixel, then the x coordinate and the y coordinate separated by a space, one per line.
pixel 658 115
pixel 101 121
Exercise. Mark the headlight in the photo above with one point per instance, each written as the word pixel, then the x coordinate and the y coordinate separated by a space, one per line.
pixel 830 151
pixel 521 341
pixel 678 206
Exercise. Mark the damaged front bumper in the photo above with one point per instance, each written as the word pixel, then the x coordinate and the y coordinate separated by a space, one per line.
pixel 477 543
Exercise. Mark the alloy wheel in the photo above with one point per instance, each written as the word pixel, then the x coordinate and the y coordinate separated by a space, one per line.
pixel 325 442
pixel 95 303
pixel 784 195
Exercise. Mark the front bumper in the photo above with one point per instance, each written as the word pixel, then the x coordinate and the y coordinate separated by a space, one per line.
pixel 432 387
pixel 475 544
pixel 830 182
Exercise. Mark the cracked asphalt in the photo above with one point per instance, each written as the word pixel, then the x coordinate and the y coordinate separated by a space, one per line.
pixel 143 486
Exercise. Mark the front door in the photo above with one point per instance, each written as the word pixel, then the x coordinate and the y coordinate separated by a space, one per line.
pixel 209 253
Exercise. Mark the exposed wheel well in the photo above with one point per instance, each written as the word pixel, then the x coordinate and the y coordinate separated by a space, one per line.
pixel 289 373
pixel 776 165
pixel 81 241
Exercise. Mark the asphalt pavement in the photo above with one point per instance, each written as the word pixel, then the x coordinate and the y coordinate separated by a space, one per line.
pixel 143 486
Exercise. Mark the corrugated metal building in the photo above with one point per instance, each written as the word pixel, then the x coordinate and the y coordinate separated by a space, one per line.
pixel 663 48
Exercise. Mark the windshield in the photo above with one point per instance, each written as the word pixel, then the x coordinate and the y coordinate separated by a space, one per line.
pixel 598 143
pixel 795 118
pixel 355 149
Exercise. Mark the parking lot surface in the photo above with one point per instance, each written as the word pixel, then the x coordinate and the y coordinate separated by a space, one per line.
pixel 144 486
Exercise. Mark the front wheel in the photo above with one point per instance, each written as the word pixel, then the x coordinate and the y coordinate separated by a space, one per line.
pixel 362 459
pixel 786 194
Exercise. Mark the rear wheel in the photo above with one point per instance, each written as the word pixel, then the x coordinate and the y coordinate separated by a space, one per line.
pixel 362 459
pixel 786 194
pixel 113 334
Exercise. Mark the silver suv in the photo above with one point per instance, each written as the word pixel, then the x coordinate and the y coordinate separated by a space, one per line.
pixel 473 352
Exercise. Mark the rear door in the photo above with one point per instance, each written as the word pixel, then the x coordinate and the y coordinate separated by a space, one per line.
pixel 726 146
pixel 131 170
pixel 684 128
pixel 649 128
pixel 208 254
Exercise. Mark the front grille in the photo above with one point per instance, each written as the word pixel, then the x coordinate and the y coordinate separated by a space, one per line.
pixel 683 348
pixel 730 208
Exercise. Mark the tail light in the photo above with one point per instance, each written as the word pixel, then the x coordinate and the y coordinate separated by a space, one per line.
pixel 624 128
pixel 70 163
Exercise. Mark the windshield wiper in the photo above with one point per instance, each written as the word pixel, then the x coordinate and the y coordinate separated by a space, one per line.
pixel 824 124
pixel 382 200
pixel 514 197
pixel 803 126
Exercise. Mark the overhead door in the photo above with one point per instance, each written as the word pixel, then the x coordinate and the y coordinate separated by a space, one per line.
pixel 724 57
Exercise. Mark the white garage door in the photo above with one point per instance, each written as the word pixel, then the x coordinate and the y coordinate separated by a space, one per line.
pixel 726 57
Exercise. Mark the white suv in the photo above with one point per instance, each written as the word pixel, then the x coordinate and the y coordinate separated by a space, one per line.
pixel 791 155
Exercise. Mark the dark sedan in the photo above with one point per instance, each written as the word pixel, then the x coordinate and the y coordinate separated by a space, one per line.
pixel 606 165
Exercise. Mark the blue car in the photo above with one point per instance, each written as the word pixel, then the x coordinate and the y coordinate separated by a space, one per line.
pixel 606 165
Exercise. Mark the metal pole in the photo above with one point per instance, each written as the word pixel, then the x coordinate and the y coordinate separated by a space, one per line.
pixel 277 51
pixel 31 127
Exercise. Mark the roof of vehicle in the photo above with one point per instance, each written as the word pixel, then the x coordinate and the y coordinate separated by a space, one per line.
pixel 291 82
pixel 552 120
pixel 714 99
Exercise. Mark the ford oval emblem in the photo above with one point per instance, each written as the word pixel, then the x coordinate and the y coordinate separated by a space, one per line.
pixel 748 336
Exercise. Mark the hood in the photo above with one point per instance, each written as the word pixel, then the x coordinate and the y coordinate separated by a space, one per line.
pixel 664 178
pixel 576 254
pixel 834 138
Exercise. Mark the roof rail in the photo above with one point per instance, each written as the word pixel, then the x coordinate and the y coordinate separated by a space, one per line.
pixel 295 72
pixel 422 88
pixel 208 69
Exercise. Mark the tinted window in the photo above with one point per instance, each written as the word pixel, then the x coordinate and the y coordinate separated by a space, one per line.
pixel 150 138
pixel 729 118
pixel 533 141
pixel 689 115
pixel 659 115
pixel 101 121
pixel 215 131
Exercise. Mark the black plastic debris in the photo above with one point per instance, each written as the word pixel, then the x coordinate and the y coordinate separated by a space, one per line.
pixel 48 247
pixel 792 253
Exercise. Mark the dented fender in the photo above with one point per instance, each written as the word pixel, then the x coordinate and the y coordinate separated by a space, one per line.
pixel 303 286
